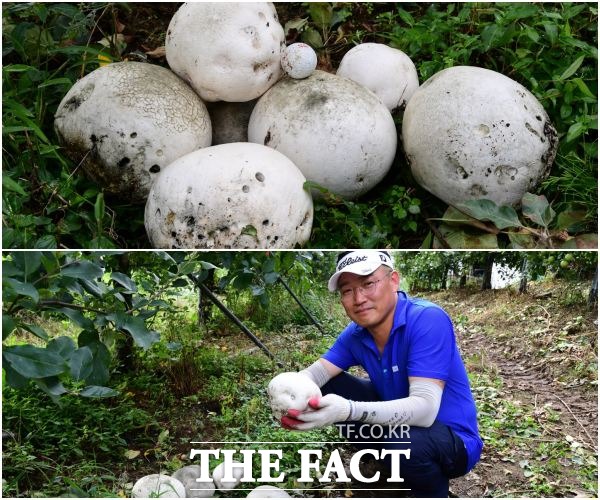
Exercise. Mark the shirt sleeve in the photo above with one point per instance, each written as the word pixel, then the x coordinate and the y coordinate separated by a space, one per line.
pixel 432 344
pixel 340 353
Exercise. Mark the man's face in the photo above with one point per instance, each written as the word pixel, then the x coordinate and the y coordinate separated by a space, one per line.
pixel 369 300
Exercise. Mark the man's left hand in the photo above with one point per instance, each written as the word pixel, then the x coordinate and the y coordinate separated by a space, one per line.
pixel 323 411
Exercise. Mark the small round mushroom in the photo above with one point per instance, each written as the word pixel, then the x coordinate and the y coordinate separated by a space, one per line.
pixel 336 131
pixel 230 121
pixel 298 60
pixel 194 489
pixel 227 51
pixel 158 485
pixel 127 121
pixel 387 72
pixel 219 473
pixel 267 491
pixel 472 133
pixel 238 195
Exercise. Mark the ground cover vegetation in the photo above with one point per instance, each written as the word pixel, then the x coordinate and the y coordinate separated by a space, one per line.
pixel 113 363
pixel 549 48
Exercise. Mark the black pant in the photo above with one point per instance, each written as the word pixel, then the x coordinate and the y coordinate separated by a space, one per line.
pixel 437 453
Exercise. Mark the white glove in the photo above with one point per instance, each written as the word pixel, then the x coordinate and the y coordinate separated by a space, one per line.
pixel 322 412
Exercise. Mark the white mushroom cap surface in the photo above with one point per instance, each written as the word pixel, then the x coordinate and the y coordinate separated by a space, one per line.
pixel 238 195
pixel 389 73
pixel 336 131
pixel 290 391
pixel 298 60
pixel 194 489
pixel 227 51
pixel 127 121
pixel 472 133
pixel 158 485
pixel 219 473
pixel 266 491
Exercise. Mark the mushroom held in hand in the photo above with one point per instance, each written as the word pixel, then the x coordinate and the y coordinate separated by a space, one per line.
pixel 158 486
pixel 194 489
pixel 389 73
pixel 471 133
pixel 237 195
pixel 267 491
pixel 227 51
pixel 127 121
pixel 290 391
pixel 336 131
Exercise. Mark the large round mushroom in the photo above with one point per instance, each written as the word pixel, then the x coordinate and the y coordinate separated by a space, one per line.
pixel 472 133
pixel 188 476
pixel 336 131
pixel 158 486
pixel 126 121
pixel 237 195
pixel 227 51
pixel 386 71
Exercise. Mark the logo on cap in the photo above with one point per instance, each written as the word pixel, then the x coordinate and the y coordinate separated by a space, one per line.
pixel 350 260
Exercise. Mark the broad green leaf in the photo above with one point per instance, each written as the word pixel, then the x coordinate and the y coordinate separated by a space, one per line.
pixel 51 386
pixel 570 71
pixel 187 267
pixel 96 391
pixel 34 362
pixel 463 240
pixel 24 289
pixel 502 217
pixel 8 325
pixel 81 363
pixel 537 209
pixel 520 11
pixel 96 288
pixel 312 37
pixel 454 217
pixel 38 331
pixel 100 364
pixel 570 220
pixel 575 130
pixel 99 208
pixel 13 378
pixel 131 454
pixel 320 13
pixel 82 269
pixel 77 317
pixel 63 346
pixel 582 242
pixel 28 262
pixel 521 240
pixel 295 24
pixel 124 280
pixel 136 327
pixel 56 81
pixel 10 184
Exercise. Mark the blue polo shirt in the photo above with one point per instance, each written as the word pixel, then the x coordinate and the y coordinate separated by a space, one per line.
pixel 421 344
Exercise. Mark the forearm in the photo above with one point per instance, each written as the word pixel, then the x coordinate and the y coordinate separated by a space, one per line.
pixel 319 373
pixel 420 408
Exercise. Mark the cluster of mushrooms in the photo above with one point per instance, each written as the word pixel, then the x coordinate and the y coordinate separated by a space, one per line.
pixel 220 146
pixel 182 484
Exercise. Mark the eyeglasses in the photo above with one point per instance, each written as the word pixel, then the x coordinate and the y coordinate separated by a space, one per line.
pixel 368 288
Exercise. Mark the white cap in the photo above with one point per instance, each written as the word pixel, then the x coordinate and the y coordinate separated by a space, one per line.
pixel 361 262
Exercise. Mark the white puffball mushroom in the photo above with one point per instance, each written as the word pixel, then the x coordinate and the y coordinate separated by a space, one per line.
pixel 290 391
pixel 266 491
pixel 230 121
pixel 238 195
pixel 472 133
pixel 219 474
pixel 389 73
pixel 194 489
pixel 158 485
pixel 336 131
pixel 298 60
pixel 227 51
pixel 127 121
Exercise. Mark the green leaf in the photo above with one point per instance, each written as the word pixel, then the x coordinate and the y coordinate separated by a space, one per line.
pixel 100 364
pixel 570 71
pixel 187 267
pixel 13 378
pixel 8 325
pixel 458 239
pixel 9 184
pixel 99 209
pixel 81 363
pixel 537 209
pixel 38 331
pixel 63 346
pixel 82 269
pixel 502 217
pixel 522 240
pixel 571 220
pixel 312 37
pixel 320 13
pixel 124 280
pixel 76 317
pixel 575 130
pixel 34 362
pixel 96 391
pixel 136 327
pixel 582 242
pixel 24 289
pixel 51 386
pixel 28 262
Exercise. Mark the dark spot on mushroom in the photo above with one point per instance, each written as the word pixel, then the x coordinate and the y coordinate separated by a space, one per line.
pixel 265 222
pixel 200 204
pixel 73 103
pixel 267 138
pixel 133 135
pixel 306 216
pixel 531 129
pixel 477 190
pixel 316 100
pixel 228 200
pixel 157 213
pixel 268 25
pixel 121 134
pixel 360 178
pixel 201 236
pixel 538 118
pixel 123 161
pixel 276 238
pixel 190 221
pixel 245 188
pixel 93 138
pixel 155 169
pixel 259 176
pixel 173 234
pixel 508 124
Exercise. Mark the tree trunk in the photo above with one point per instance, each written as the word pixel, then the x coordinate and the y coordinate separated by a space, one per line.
pixel 205 306
pixel 593 295
pixel 463 281
pixel 444 285
pixel 487 273
pixel 523 282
